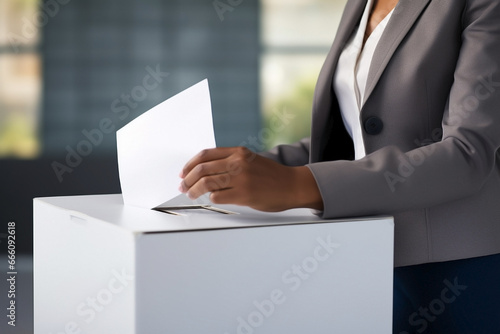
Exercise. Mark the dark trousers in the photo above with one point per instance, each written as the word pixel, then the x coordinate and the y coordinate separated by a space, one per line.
pixel 455 297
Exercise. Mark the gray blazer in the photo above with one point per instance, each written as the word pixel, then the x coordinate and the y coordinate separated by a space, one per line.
pixel 431 123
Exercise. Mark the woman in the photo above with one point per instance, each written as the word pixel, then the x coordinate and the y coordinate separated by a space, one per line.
pixel 406 122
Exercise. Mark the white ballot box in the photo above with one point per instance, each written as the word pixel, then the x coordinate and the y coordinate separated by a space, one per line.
pixel 102 267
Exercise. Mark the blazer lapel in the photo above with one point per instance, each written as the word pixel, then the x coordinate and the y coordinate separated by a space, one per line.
pixel 352 14
pixel 404 17
pixel 323 93
pixel 350 18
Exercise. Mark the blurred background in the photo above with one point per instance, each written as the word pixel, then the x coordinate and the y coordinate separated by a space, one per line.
pixel 67 65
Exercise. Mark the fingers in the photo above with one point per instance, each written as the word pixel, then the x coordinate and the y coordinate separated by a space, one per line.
pixel 229 196
pixel 214 170
pixel 212 183
pixel 202 170
pixel 205 156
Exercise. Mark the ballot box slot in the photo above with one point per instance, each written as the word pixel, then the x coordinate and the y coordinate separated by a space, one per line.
pixel 184 210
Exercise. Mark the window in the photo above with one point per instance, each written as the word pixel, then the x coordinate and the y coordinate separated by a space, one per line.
pixel 96 52
pixel 20 79
pixel 296 38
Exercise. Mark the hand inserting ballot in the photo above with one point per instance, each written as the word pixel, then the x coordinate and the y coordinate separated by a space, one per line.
pixel 236 175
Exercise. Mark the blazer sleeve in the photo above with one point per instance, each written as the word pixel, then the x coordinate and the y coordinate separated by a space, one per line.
pixel 290 155
pixel 389 180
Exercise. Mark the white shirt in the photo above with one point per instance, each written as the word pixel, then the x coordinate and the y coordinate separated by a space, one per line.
pixel 350 77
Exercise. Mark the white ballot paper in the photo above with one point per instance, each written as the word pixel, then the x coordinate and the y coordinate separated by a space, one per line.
pixel 153 148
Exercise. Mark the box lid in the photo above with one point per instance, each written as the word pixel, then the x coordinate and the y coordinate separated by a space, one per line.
pixel 110 209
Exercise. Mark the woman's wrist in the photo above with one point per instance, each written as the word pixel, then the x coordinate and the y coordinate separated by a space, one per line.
pixel 305 192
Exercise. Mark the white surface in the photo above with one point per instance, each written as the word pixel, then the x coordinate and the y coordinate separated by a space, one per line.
pixel 74 262
pixel 211 279
pixel 208 271
pixel 110 209
pixel 153 148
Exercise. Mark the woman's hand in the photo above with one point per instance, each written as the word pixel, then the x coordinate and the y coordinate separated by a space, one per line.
pixel 237 175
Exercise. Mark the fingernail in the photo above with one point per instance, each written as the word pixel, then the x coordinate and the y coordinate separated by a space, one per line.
pixel 181 188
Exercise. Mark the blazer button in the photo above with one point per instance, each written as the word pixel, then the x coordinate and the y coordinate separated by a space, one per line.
pixel 373 125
